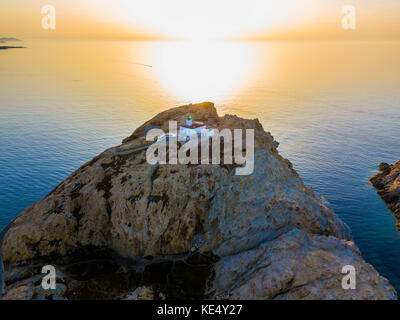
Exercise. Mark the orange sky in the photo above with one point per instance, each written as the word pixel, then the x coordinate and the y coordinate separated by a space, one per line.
pixel 149 19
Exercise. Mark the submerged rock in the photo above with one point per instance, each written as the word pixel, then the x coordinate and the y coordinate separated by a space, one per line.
pixel 119 227
pixel 387 183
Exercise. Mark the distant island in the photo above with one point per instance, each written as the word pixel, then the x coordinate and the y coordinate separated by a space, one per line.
pixel 9 40
pixel 5 40
pixel 10 47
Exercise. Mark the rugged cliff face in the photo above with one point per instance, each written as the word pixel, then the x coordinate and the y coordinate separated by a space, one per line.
pixel 387 183
pixel 119 227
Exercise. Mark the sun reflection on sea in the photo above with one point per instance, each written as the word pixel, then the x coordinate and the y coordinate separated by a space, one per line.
pixel 199 71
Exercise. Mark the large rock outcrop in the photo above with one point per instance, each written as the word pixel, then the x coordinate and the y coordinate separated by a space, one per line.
pixel 119 227
pixel 387 183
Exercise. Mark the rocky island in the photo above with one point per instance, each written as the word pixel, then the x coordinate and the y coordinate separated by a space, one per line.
pixel 120 228
pixel 387 183
pixel 10 47
pixel 5 40
pixel 9 39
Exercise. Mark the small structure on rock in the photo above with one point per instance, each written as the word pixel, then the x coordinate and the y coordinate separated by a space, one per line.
pixel 191 128
pixel 195 128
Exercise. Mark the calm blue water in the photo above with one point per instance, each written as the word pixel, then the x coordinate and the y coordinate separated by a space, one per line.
pixel 63 103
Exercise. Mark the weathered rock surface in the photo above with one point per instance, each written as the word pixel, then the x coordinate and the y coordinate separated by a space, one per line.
pixel 387 183
pixel 119 227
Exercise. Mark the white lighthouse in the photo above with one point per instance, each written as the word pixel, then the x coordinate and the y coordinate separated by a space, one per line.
pixel 195 128
pixel 189 121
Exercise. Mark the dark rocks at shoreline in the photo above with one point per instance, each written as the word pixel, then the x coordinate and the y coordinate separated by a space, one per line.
pixel 387 183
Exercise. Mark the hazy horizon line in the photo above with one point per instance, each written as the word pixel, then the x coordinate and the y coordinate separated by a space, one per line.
pixel 234 39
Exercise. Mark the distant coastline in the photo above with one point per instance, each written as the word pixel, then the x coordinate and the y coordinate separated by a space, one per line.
pixel 11 47
pixel 9 40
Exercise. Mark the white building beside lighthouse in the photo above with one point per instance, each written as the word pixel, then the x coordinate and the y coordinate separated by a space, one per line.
pixel 194 128
pixel 191 128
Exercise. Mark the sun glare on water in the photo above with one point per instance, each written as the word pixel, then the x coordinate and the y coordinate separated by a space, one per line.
pixel 199 71
pixel 202 64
